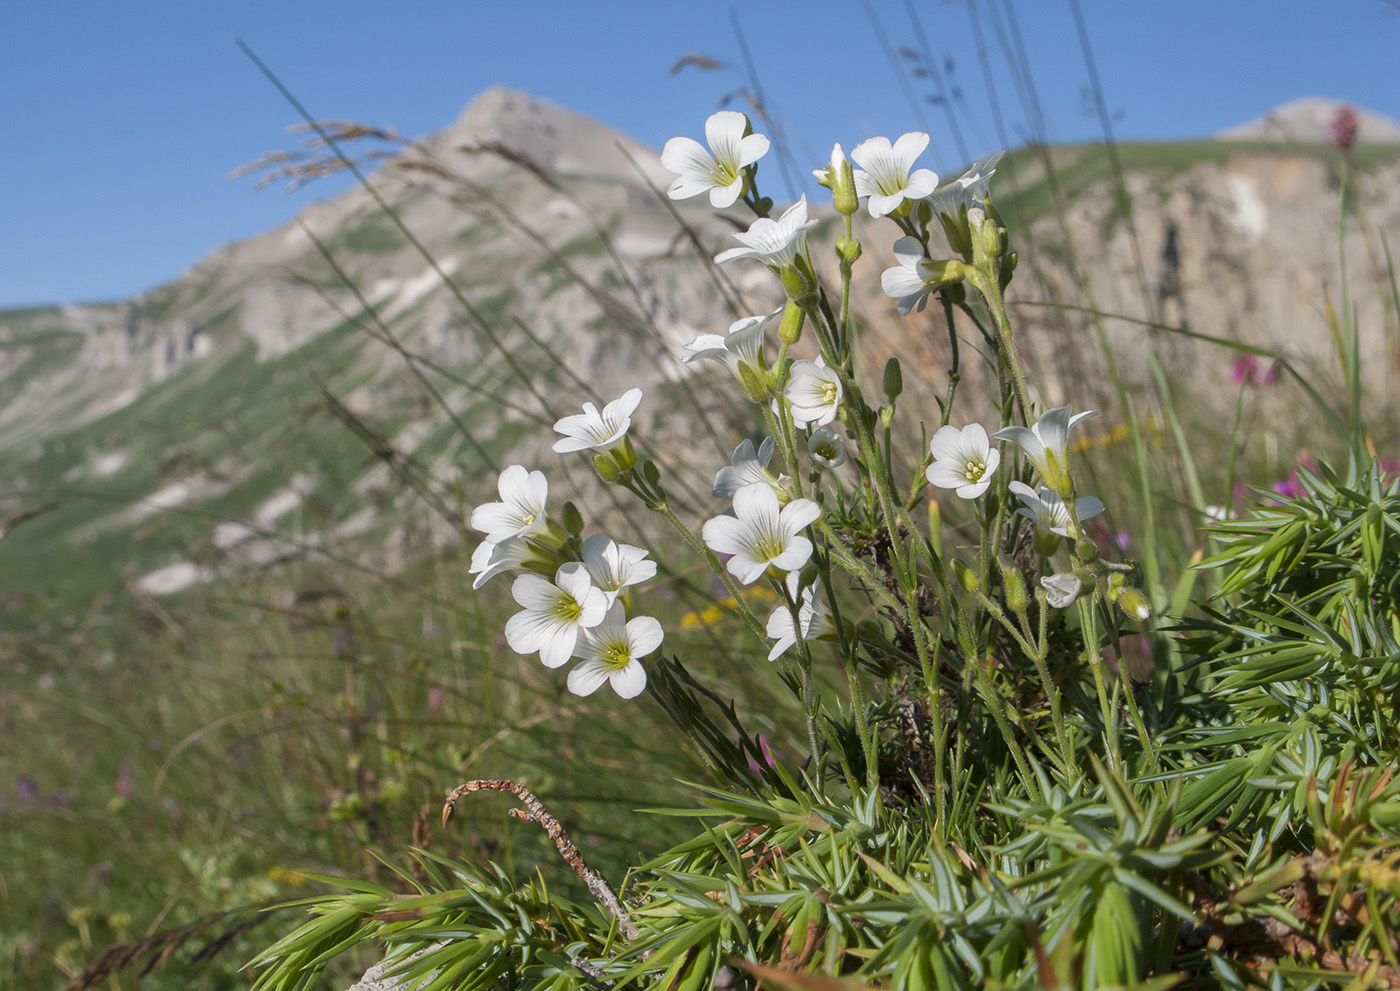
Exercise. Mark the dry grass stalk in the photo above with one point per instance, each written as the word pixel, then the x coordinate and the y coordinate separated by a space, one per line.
pixel 534 811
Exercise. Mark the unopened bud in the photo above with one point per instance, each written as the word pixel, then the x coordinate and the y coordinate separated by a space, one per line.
pixel 1013 585
pixel 1134 603
pixel 843 183
pixel 966 577
pixel 894 379
pixel 572 519
pixel 790 328
pixel 1086 550
pixel 993 238
pixel 607 468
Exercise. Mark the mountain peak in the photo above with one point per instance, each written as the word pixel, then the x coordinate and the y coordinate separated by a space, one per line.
pixel 1307 119
pixel 556 139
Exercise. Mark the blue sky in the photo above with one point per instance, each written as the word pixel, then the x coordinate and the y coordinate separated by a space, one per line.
pixel 122 120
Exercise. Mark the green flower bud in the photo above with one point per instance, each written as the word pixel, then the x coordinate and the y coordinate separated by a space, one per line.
pixel 790 328
pixel 573 519
pixel 1086 550
pixel 966 577
pixel 607 469
pixel 894 380
pixel 843 183
pixel 1134 603
pixel 993 238
pixel 1013 584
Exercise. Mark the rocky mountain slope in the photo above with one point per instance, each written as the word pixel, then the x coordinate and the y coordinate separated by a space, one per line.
pixel 262 404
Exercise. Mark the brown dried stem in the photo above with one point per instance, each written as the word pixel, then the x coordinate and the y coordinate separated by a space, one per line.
pixel 534 811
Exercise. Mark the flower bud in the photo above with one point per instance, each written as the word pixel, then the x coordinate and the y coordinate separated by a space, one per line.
pixel 993 238
pixel 966 577
pixel 607 469
pixel 842 179
pixel 1134 603
pixel 572 519
pixel 1086 550
pixel 894 380
pixel 790 328
pixel 1013 584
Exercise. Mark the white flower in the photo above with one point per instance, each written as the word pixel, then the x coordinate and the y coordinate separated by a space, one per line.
pixel 612 651
pixel 554 613
pixel 1050 511
pixel 814 392
pixel 490 560
pixel 743 346
pixel 591 430
pixel 915 277
pixel 521 509
pixel 1061 589
pixel 612 566
pixel 773 242
pixel 969 189
pixel 884 173
pixel 718 170
pixel 759 535
pixel 1047 443
pixel 813 617
pixel 962 460
pixel 826 448
pixel 745 468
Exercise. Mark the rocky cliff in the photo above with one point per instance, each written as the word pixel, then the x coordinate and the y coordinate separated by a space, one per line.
pixel 230 400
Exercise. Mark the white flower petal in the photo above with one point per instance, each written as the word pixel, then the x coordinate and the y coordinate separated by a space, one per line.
pixel 588 676
pixel 629 682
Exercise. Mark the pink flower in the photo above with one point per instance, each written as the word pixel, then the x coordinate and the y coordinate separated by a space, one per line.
pixel 1341 129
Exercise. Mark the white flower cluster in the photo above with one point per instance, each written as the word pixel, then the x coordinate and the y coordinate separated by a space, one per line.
pixel 571 594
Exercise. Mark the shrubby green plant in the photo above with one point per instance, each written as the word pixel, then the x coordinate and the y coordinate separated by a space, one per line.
pixel 996 794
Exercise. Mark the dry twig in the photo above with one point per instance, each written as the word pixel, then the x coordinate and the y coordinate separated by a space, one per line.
pixel 534 811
